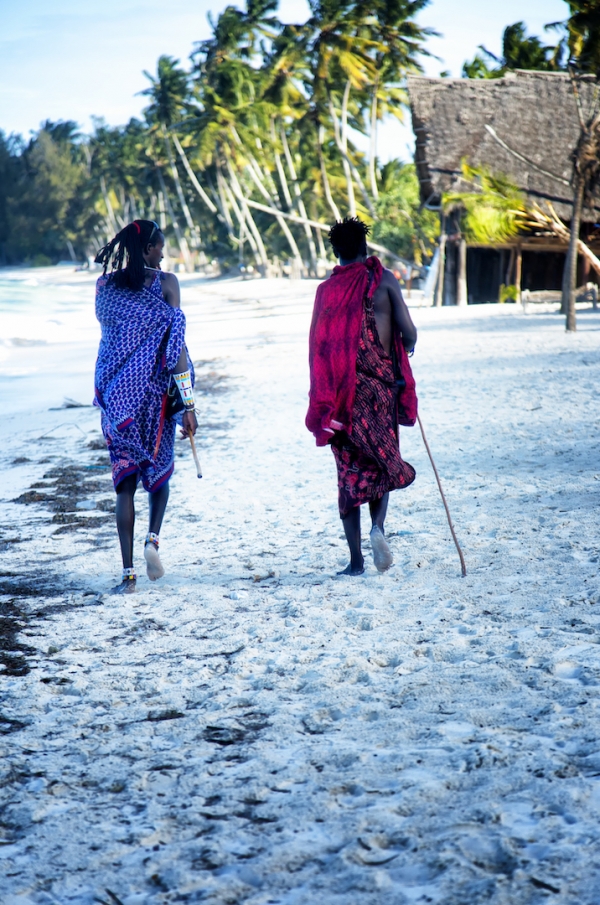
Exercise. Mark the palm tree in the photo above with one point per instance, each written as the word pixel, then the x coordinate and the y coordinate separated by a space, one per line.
pixel 392 25
pixel 519 51
pixel 169 94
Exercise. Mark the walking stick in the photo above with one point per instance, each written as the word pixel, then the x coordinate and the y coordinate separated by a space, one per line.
pixel 195 454
pixel 439 483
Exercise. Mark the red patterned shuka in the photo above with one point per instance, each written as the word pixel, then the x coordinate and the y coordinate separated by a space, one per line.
pixel 353 386
pixel 369 463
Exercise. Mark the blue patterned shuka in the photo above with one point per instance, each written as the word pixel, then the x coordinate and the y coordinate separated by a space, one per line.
pixel 142 338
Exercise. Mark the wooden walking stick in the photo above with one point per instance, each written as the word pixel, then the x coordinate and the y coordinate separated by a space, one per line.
pixel 439 483
pixel 195 454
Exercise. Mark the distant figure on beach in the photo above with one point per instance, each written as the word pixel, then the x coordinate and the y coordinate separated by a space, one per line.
pixel 144 380
pixel 361 385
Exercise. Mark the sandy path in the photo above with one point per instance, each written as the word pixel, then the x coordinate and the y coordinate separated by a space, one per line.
pixel 253 730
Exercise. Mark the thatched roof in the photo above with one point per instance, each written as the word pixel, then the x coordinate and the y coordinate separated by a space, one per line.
pixel 524 125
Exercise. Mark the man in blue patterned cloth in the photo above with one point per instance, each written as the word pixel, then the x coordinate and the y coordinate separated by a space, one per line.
pixel 143 365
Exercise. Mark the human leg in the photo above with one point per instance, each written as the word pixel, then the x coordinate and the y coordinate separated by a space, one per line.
pixel 125 512
pixel 351 523
pixel 382 555
pixel 157 504
pixel 126 517
pixel 378 510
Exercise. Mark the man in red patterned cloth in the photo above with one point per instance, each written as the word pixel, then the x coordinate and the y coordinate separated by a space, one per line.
pixel 361 385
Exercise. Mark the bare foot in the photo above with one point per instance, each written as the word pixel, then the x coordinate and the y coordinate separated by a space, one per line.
pixel 350 571
pixel 154 567
pixel 382 555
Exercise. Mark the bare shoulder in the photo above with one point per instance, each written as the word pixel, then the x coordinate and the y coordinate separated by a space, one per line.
pixel 170 288
pixel 389 281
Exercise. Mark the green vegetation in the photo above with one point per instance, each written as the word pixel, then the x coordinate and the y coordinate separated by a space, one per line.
pixel 519 51
pixel 492 210
pixel 578 47
pixel 241 155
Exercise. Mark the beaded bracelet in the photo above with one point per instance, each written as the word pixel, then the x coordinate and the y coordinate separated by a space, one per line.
pixel 184 385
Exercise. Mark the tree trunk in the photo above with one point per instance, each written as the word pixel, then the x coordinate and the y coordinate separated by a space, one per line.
pixel 321 244
pixel 373 142
pixel 242 223
pixel 181 240
pixel 325 178
pixel 570 275
pixel 237 190
pixel 277 214
pixel 223 200
pixel 461 293
pixel 194 231
pixel 299 202
pixel 280 169
pixel 348 165
pixel 192 175
pixel 344 141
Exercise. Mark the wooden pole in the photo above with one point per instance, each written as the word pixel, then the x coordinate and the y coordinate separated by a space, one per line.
pixel 439 292
pixel 461 287
pixel 195 454
pixel 510 268
pixel 463 567
pixel 518 271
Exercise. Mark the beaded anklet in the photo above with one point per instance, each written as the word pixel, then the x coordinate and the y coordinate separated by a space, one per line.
pixel 152 538
pixel 129 575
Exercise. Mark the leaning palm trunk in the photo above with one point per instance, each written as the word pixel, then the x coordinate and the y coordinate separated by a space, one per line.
pixel 344 146
pixel 241 218
pixel 299 202
pixel 259 178
pixel 221 183
pixel 181 240
pixel 349 164
pixel 342 143
pixel 238 192
pixel 280 168
pixel 277 213
pixel 194 231
pixel 315 223
pixel 192 176
pixel 373 142
pixel 325 178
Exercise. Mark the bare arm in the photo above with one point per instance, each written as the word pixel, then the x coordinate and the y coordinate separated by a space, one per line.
pixel 402 318
pixel 172 295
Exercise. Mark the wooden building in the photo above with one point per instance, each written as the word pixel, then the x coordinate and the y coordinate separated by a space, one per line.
pixel 524 126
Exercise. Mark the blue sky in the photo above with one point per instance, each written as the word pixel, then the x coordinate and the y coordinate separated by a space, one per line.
pixel 69 59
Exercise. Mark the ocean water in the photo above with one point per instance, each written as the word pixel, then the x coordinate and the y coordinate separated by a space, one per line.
pixel 48 338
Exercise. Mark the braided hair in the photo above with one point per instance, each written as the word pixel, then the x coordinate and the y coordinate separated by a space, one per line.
pixel 130 245
pixel 348 237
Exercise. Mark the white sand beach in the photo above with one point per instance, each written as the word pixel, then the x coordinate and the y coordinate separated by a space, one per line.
pixel 251 728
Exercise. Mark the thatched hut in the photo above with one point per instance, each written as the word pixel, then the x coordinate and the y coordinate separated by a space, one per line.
pixel 525 126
